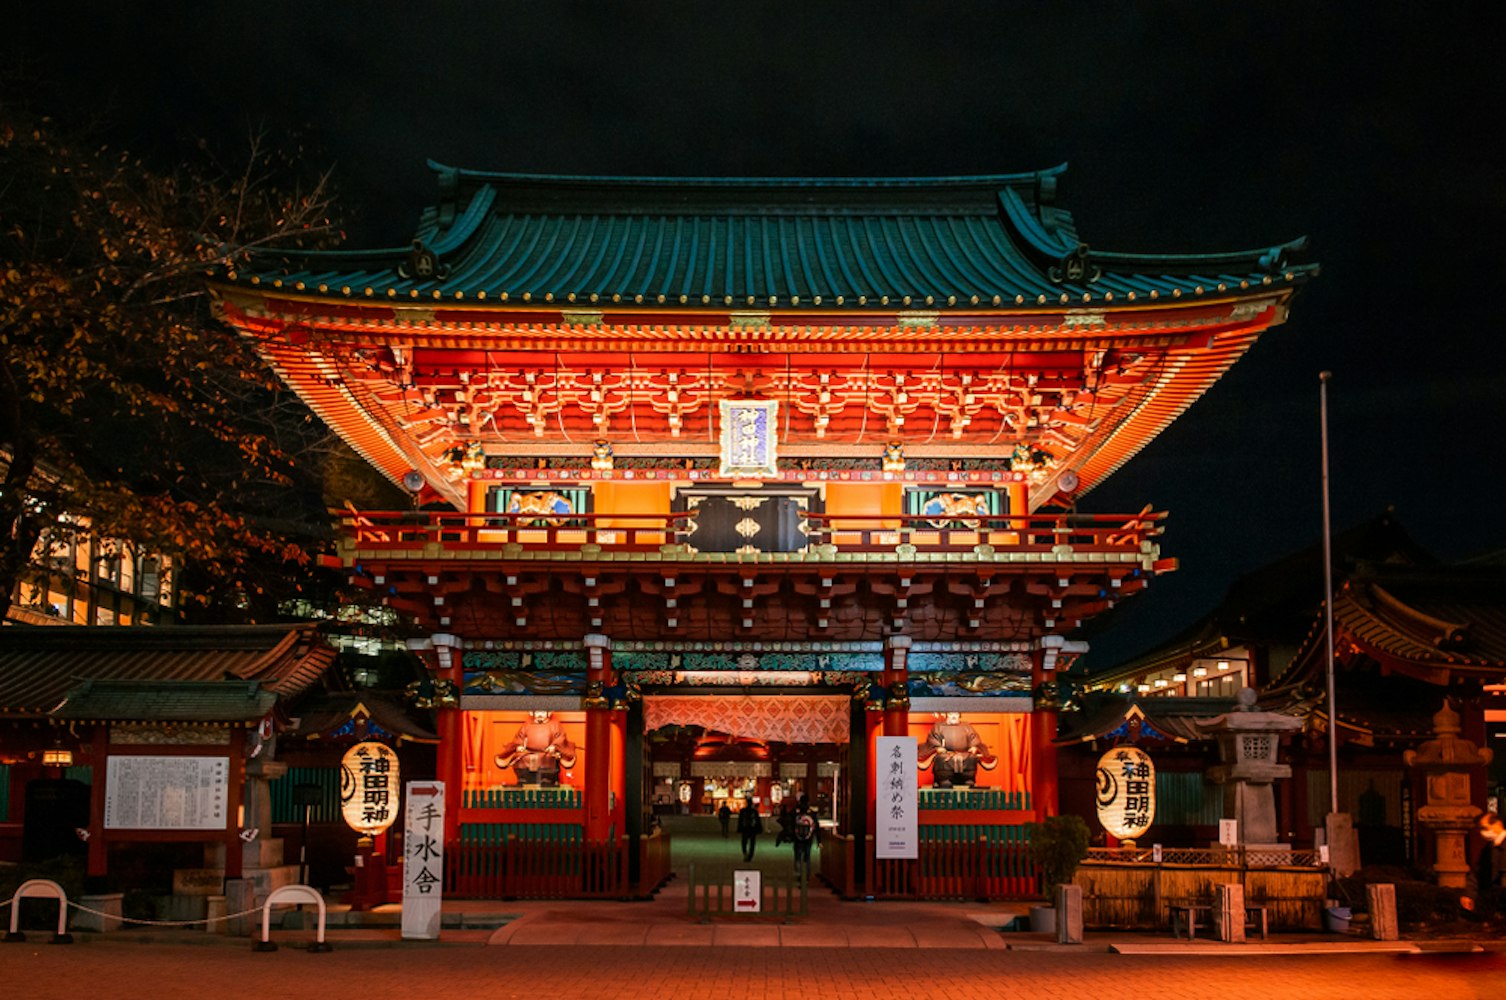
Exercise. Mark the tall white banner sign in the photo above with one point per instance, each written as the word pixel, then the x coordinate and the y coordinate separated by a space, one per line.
pixel 896 828
pixel 423 859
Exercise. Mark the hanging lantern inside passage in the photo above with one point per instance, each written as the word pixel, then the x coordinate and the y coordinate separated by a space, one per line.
pixel 369 787
pixel 1126 792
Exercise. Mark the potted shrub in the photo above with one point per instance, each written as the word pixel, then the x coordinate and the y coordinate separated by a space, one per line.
pixel 1057 847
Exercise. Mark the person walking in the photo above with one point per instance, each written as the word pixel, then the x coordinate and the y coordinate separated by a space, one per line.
pixel 724 816
pixel 786 821
pixel 1486 884
pixel 749 826
pixel 805 830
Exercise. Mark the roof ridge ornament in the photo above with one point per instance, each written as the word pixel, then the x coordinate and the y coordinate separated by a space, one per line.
pixel 1075 266
pixel 1274 259
pixel 423 264
pixel 1045 185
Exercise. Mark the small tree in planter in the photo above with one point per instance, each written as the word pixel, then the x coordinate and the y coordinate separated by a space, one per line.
pixel 1057 847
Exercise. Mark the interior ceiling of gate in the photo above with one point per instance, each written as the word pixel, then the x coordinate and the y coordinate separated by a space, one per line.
pixel 698 743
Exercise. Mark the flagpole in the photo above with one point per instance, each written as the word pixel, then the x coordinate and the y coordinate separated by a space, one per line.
pixel 1333 714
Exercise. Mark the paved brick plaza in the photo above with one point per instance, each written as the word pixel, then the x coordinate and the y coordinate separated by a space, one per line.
pixel 124 971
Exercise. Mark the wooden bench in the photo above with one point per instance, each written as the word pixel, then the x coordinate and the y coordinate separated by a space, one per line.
pixel 1256 918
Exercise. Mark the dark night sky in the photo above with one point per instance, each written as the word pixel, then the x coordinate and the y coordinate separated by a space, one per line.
pixel 1189 126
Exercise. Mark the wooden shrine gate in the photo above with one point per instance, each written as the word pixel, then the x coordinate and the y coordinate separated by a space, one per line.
pixel 973 845
pixel 944 870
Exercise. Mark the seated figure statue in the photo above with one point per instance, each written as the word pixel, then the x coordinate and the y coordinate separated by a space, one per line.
pixel 953 751
pixel 539 750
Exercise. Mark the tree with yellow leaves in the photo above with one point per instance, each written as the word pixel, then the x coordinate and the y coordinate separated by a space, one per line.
pixel 123 403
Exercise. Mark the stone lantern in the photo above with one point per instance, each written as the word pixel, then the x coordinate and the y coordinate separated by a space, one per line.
pixel 1247 744
pixel 1449 813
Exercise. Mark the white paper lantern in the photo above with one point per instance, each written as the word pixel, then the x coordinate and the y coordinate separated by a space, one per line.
pixel 369 787
pixel 1126 792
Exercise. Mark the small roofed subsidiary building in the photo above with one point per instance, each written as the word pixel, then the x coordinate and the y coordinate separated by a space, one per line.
pixel 1411 633
pixel 733 476
pixel 117 741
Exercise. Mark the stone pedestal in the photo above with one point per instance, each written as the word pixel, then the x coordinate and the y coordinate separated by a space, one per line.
pixel 181 907
pixel 260 773
pixel 110 904
pixel 240 895
pixel 1343 844
pixel 215 914
pixel 1069 914
pixel 263 852
pixel 1448 811
pixel 261 867
pixel 1248 742
pixel 1381 899
pixel 1229 912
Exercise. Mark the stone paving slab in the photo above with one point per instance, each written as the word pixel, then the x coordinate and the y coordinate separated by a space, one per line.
pixel 815 936
pixel 618 934
pixel 698 935
pixel 749 936
pixel 886 937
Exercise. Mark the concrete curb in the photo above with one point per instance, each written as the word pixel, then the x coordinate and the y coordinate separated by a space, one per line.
pixel 1253 948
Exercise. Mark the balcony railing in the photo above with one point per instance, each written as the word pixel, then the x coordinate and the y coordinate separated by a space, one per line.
pixel 1034 537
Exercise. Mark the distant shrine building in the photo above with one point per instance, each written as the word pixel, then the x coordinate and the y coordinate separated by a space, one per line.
pixel 732 477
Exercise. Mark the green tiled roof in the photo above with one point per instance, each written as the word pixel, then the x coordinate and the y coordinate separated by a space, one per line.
pixel 856 243
pixel 167 701
pixel 38 665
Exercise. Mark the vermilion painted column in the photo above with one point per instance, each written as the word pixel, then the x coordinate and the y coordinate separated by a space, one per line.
pixel 761 787
pixel 598 738
pixel 99 850
pixel 1043 794
pixel 617 785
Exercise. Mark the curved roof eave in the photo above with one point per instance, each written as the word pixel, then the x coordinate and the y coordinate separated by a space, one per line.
pixel 960 180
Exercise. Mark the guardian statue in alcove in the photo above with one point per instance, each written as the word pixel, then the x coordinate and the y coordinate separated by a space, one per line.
pixel 953 751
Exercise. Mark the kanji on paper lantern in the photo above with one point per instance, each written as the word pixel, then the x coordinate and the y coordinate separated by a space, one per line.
pixel 369 787
pixel 1126 792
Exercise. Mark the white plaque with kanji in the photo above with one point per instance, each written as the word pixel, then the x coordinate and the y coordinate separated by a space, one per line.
pixel 167 793
pixel 423 859
pixel 897 820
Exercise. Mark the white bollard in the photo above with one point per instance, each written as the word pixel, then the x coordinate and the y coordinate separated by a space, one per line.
pixel 291 894
pixel 39 888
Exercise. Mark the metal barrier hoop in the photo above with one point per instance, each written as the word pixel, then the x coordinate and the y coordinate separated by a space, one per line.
pixel 40 888
pixel 291 894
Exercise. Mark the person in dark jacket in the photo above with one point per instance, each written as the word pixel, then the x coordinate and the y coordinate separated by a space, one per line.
pixel 805 830
pixel 1483 888
pixel 724 816
pixel 786 821
pixel 749 826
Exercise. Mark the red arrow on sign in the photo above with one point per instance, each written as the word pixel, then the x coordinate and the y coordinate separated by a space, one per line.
pixel 426 789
